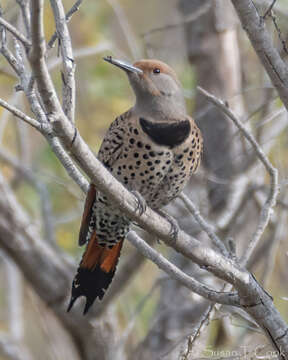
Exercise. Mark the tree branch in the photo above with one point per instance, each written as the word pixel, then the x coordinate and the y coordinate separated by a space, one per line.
pixel 176 274
pixel 67 59
pixel 204 225
pixel 68 17
pixel 16 33
pixel 261 40
pixel 38 63
pixel 21 115
pixel 271 199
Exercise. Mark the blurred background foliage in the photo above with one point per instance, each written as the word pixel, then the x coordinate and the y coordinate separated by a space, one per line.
pixel 103 92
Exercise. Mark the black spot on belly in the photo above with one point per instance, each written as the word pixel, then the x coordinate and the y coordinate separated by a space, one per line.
pixel 169 134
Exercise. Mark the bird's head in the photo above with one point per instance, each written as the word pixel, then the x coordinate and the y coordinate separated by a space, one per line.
pixel 155 84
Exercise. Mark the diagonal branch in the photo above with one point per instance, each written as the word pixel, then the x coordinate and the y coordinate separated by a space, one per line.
pixel 261 40
pixel 7 53
pixel 175 273
pixel 16 33
pixel 21 115
pixel 68 17
pixel 271 199
pixel 204 225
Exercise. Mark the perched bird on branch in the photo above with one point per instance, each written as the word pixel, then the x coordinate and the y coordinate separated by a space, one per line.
pixel 152 149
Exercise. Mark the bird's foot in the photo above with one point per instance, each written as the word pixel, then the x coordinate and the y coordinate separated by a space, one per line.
pixel 174 230
pixel 141 203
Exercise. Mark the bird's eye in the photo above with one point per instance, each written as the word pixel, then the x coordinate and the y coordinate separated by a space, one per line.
pixel 156 71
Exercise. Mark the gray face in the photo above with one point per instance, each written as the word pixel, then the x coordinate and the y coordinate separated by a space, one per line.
pixel 158 92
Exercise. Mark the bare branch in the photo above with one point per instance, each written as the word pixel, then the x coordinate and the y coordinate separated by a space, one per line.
pixel 68 17
pixel 277 7
pixel 279 32
pixel 271 199
pixel 268 11
pixel 24 6
pixel 16 33
pixel 38 63
pixel 67 59
pixel 261 40
pixel 177 274
pixel 21 115
pixel 82 53
pixel 204 225
pixel 202 323
pixel 7 53
pixel 68 164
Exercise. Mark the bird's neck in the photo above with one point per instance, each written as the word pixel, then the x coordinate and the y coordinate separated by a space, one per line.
pixel 161 108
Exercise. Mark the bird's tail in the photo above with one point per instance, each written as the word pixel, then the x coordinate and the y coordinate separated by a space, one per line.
pixel 95 272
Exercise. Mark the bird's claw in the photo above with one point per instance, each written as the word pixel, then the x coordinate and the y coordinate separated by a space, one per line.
pixel 141 203
pixel 174 230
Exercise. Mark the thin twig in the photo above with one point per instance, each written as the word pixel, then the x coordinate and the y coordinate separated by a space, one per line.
pixel 82 53
pixel 203 322
pixel 268 11
pixel 21 115
pixel 67 162
pixel 68 17
pixel 277 237
pixel 283 42
pixel 16 33
pixel 271 199
pixel 177 274
pixel 203 223
pixel 7 53
pixel 24 6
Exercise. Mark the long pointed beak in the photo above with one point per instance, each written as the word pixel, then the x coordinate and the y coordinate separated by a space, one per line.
pixel 123 65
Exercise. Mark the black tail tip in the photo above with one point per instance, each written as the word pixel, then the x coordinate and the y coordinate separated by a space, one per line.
pixel 71 303
pixel 87 306
pixel 89 303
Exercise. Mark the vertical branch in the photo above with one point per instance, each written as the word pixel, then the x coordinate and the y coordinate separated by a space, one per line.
pixel 37 60
pixel 24 6
pixel 67 57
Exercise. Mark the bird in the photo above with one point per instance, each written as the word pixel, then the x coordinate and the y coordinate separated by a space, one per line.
pixel 152 149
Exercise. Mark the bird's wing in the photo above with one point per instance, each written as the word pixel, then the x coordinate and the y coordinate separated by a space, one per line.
pixel 87 215
pixel 198 145
pixel 112 145
pixel 110 150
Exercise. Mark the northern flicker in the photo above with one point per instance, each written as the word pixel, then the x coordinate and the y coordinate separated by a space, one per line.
pixel 152 149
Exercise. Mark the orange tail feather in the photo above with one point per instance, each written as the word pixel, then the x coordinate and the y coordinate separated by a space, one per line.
pixel 95 272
